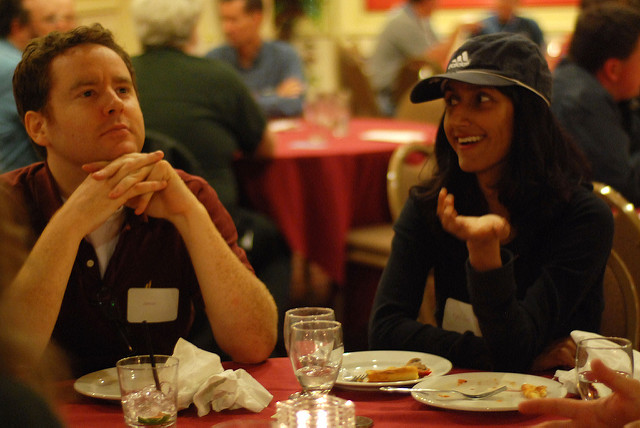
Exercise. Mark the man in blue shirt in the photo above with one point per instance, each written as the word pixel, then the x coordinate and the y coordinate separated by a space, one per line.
pixel 271 69
pixel 504 19
pixel 21 21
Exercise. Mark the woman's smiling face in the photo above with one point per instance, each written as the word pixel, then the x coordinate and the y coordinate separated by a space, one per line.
pixel 478 122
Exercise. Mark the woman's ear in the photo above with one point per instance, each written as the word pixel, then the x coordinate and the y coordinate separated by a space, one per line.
pixel 36 125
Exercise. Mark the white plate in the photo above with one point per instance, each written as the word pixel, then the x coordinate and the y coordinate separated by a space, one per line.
pixel 101 384
pixel 480 382
pixel 355 363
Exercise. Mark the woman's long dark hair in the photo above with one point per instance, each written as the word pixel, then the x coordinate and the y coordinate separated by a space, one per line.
pixel 543 166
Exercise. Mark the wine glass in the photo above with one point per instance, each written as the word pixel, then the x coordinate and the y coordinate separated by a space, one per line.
pixel 615 352
pixel 316 349
pixel 307 313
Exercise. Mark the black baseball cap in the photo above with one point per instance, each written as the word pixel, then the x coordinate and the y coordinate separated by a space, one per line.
pixel 499 59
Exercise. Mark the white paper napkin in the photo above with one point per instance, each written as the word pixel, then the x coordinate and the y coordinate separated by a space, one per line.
pixel 203 381
pixel 231 390
pixel 394 136
pixel 568 377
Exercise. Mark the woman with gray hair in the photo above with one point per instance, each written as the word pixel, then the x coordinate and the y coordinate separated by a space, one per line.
pixel 203 104
pixel 162 23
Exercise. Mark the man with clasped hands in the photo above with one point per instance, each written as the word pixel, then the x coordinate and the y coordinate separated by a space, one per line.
pixel 118 231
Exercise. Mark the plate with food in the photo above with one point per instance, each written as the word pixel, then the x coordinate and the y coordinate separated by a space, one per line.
pixel 102 384
pixel 373 369
pixel 520 387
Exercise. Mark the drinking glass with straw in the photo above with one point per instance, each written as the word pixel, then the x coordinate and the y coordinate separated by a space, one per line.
pixel 149 388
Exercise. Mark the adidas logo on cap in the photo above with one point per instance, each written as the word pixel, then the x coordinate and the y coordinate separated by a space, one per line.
pixel 461 61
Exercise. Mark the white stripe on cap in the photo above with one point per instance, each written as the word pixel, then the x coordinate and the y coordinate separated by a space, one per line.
pixel 516 81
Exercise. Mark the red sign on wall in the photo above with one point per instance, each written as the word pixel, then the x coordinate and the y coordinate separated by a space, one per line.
pixel 378 5
pixel 382 4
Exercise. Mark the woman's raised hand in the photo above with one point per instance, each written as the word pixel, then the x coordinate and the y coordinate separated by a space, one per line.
pixel 483 234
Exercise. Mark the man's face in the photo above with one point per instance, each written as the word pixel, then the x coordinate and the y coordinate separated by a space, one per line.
pixel 49 15
pixel 505 9
pixel 239 27
pixel 628 79
pixel 92 113
pixel 426 7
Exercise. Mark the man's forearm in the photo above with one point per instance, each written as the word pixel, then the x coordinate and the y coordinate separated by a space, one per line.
pixel 31 304
pixel 241 310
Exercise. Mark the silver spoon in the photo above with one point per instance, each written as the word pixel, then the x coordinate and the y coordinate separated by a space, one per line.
pixel 466 395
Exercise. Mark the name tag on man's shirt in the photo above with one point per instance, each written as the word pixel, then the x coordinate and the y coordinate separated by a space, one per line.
pixel 152 304
pixel 459 317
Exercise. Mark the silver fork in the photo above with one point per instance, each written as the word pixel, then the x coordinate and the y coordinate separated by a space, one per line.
pixel 356 378
pixel 466 395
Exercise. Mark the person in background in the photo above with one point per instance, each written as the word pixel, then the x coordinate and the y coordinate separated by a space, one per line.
pixel 564 45
pixel 621 408
pixel 118 231
pixel 407 35
pixel 594 89
pixel 203 104
pixel 505 19
pixel 517 240
pixel 271 69
pixel 21 21
pixel 23 392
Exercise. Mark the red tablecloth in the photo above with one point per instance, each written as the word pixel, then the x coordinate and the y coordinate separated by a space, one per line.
pixel 317 192
pixel 276 375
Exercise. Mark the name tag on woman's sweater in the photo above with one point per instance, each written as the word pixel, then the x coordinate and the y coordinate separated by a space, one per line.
pixel 459 317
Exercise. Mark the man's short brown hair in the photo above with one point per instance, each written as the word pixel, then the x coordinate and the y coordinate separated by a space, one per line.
pixel 32 78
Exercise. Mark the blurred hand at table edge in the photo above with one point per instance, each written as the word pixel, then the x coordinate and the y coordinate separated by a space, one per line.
pixel 620 409
pixel 290 87
pixel 559 354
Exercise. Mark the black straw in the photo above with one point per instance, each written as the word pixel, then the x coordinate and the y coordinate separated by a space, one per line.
pixel 151 356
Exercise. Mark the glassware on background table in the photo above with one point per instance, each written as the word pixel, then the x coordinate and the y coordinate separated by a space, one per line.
pixel 615 352
pixel 143 403
pixel 311 412
pixel 306 313
pixel 316 349
pixel 327 113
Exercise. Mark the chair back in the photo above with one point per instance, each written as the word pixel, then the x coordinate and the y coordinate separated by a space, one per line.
pixel 621 302
pixel 411 73
pixel 353 77
pixel 626 246
pixel 428 112
pixel 409 165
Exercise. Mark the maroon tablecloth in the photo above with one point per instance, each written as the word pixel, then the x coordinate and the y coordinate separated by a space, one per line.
pixel 276 375
pixel 317 192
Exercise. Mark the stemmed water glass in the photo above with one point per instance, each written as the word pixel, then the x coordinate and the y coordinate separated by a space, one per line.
pixel 615 352
pixel 316 349
pixel 307 313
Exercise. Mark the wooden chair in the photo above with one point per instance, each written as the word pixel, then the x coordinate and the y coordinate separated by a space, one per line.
pixel 626 249
pixel 621 302
pixel 371 245
pixel 428 112
pixel 352 75
pixel 411 73
pixel 409 164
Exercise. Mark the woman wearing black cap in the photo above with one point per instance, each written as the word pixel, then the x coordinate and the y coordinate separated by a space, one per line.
pixel 515 236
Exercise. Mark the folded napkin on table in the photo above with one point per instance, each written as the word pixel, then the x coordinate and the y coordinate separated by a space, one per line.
pixel 203 381
pixel 568 377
